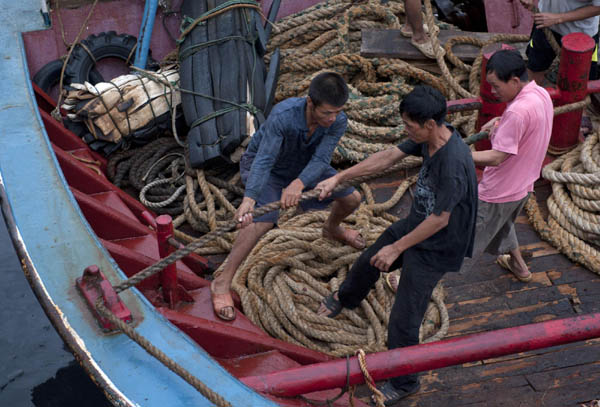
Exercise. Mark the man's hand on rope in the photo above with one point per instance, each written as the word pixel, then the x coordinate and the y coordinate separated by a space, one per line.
pixel 291 194
pixel 244 213
pixel 490 126
pixel 385 257
pixel 327 186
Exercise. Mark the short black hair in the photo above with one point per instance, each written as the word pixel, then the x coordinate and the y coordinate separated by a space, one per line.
pixel 506 64
pixel 424 103
pixel 330 88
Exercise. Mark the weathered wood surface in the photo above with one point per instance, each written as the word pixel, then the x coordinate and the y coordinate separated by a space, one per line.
pixel 391 44
pixel 488 297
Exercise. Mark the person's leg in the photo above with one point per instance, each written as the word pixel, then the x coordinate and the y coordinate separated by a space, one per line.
pixel 416 285
pixel 414 18
pixel 344 203
pixel 539 56
pixel 505 241
pixel 538 77
pixel 243 245
pixel 341 208
pixel 362 276
pixel 517 263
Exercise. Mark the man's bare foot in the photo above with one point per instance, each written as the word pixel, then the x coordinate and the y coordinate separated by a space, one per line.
pixel 347 236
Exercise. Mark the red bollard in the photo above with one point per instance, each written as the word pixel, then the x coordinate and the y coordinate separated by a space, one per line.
pixel 168 276
pixel 572 82
pixel 93 285
pixel 490 107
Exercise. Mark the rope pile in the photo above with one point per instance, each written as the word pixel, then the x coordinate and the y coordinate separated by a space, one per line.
pixel 327 36
pixel 292 268
pixel 200 200
pixel 573 224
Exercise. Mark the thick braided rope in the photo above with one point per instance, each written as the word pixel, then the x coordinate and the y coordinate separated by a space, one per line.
pixel 362 361
pixel 202 388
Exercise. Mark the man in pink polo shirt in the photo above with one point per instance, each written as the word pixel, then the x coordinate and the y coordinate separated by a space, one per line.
pixel 519 140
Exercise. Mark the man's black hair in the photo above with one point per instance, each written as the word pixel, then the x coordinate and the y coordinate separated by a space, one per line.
pixel 330 88
pixel 506 64
pixel 424 103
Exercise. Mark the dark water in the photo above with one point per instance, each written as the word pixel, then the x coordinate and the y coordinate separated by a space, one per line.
pixel 35 367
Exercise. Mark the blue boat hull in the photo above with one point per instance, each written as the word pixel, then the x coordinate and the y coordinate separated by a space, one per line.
pixel 55 244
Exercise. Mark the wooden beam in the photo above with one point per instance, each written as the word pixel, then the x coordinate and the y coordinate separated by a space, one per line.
pixel 391 44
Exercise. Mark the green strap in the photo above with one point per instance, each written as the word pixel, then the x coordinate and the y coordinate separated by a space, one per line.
pixel 246 106
pixel 192 49
pixel 187 21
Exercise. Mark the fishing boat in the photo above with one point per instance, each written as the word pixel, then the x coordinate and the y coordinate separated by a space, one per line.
pixel 77 234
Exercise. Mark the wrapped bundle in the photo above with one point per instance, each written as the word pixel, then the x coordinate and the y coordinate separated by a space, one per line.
pixel 127 106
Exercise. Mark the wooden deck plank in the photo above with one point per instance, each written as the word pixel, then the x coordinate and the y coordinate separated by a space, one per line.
pixel 544 364
pixel 553 379
pixel 508 318
pixel 503 391
pixel 379 43
pixel 510 300
pixel 499 286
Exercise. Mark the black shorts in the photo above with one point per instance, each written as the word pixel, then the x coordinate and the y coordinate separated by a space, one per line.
pixel 540 53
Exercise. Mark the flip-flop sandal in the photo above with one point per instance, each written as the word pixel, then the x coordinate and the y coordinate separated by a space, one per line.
pixel 427 49
pixel 333 306
pixel 393 395
pixel 221 302
pixel 389 283
pixel 504 262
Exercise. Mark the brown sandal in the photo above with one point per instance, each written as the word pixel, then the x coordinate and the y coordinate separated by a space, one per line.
pixel 504 262
pixel 220 303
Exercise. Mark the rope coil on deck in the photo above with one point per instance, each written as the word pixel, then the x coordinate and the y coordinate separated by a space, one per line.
pixel 292 268
pixel 573 224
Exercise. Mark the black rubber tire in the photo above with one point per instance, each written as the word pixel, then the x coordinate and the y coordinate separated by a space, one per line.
pixel 49 75
pixel 104 45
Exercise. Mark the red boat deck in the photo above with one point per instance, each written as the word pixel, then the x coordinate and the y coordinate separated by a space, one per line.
pixel 486 298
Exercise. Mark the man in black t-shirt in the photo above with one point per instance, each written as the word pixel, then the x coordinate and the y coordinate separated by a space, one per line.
pixel 434 238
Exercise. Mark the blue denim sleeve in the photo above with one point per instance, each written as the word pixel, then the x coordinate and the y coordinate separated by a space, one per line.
pixel 268 150
pixel 321 159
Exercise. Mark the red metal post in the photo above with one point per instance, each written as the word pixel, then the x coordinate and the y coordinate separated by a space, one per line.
pixel 434 355
pixel 573 73
pixel 168 276
pixel 490 106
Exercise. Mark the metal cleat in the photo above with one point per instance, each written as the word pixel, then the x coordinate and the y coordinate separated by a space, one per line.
pixel 94 284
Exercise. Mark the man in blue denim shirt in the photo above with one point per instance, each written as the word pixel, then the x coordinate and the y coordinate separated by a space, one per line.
pixel 291 152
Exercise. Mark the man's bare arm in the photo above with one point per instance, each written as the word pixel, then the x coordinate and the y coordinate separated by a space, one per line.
pixel 372 165
pixel 489 158
pixel 549 19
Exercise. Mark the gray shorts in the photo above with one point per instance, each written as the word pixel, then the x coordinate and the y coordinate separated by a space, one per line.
pixel 274 186
pixel 495 230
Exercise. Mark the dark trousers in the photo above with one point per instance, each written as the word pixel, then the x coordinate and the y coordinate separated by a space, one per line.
pixel 417 282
